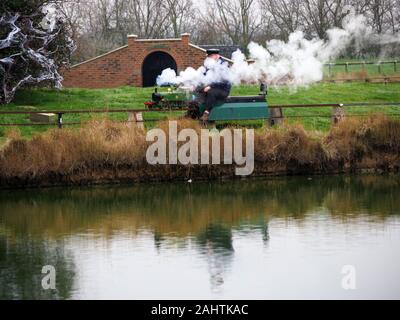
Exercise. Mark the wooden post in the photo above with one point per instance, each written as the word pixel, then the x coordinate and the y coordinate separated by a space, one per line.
pixel 276 116
pixel 347 67
pixel 338 114
pixel 395 66
pixel 137 119
pixel 60 121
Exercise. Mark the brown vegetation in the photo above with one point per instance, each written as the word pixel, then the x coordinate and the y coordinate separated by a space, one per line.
pixel 106 152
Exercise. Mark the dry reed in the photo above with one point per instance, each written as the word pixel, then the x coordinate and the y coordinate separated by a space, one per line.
pixel 102 151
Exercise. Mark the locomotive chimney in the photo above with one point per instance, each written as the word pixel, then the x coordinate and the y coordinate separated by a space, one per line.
pixel 263 89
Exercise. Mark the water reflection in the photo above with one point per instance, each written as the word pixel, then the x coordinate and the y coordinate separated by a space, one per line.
pixel 21 262
pixel 215 244
pixel 39 227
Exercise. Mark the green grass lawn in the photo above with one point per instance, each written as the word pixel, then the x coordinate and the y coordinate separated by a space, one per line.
pixel 128 97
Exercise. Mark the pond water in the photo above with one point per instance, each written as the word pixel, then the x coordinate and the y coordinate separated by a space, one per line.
pixel 284 238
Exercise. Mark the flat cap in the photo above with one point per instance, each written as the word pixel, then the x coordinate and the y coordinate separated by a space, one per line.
pixel 212 51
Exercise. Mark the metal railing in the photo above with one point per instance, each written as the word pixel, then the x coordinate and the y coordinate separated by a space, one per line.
pixel 363 66
pixel 134 115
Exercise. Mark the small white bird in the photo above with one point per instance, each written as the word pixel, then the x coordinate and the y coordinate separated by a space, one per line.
pixel 190 181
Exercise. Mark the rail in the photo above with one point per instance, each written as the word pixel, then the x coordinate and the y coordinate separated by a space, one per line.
pixel 134 112
pixel 363 64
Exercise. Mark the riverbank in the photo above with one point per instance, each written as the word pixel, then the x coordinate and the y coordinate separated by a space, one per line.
pixel 106 152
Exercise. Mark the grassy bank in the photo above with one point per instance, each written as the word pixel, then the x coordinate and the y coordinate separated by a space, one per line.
pixel 106 152
pixel 316 119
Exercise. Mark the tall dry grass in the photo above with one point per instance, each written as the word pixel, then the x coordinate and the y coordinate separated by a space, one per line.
pixel 103 151
pixel 289 145
pixel 354 139
pixel 97 145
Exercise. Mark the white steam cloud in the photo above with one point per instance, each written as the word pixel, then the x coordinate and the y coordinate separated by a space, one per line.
pixel 297 62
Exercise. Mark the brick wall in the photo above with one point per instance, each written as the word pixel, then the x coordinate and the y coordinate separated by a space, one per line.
pixel 123 66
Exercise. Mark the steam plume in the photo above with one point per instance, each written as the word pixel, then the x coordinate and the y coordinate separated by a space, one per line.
pixel 297 62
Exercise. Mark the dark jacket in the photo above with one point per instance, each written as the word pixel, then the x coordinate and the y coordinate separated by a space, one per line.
pixel 225 86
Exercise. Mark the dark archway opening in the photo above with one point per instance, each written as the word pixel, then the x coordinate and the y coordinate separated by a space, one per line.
pixel 154 64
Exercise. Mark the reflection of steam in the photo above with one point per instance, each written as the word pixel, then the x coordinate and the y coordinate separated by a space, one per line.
pixel 266 237
pixel 216 246
pixel 158 240
pixel 215 268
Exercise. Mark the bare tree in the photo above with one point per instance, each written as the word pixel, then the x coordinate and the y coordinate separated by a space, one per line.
pixel 321 15
pixel 204 33
pixel 181 16
pixel 101 25
pixel 70 9
pixel 34 43
pixel 337 11
pixel 238 20
pixel 146 18
pixel 286 15
pixel 394 16
pixel 379 11
pixel 316 16
pixel 360 6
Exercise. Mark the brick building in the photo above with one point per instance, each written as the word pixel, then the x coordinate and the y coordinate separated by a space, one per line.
pixel 136 64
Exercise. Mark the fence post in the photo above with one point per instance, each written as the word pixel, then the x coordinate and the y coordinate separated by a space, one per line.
pixel 276 116
pixel 60 120
pixel 338 114
pixel 347 67
pixel 137 119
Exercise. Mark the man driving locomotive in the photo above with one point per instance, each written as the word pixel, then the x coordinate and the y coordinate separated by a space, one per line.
pixel 218 90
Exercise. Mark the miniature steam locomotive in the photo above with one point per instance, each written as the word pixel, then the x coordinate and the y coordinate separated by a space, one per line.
pixel 233 108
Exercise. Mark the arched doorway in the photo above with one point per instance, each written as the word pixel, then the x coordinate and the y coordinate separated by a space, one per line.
pixel 154 64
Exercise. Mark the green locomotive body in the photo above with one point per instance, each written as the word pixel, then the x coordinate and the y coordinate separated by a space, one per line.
pixel 233 108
